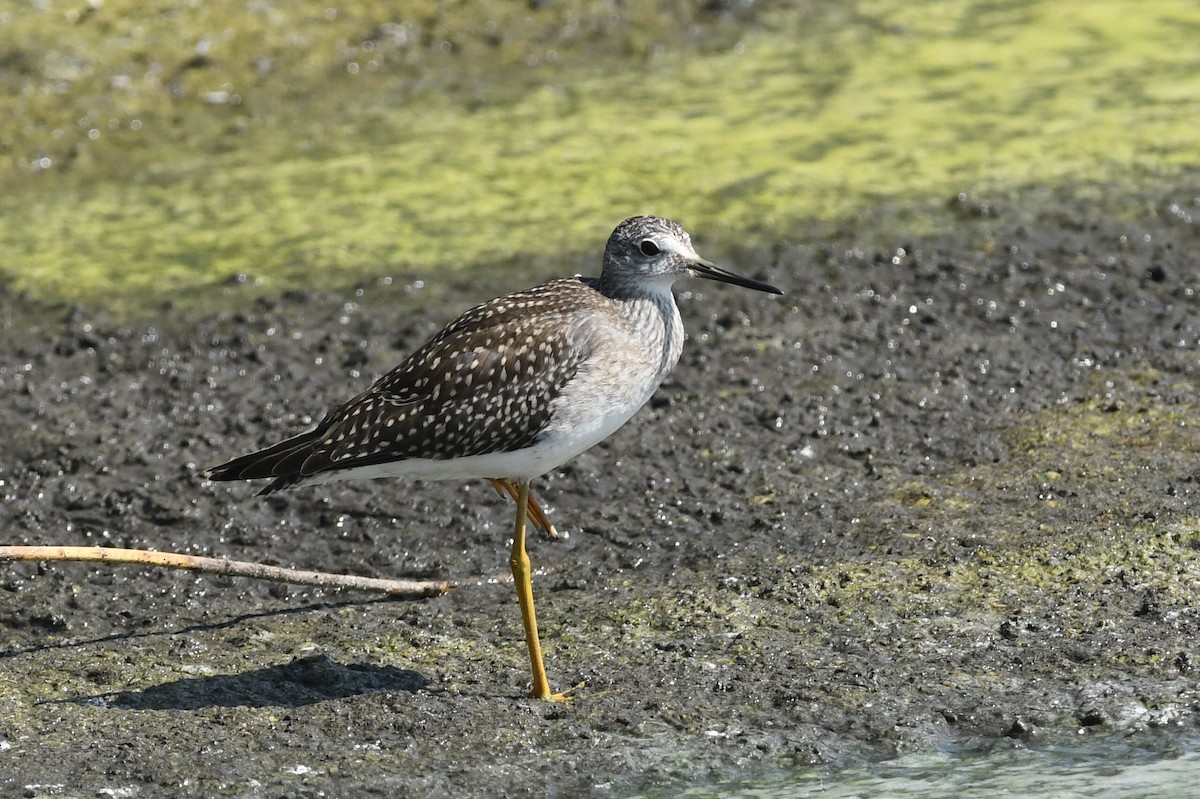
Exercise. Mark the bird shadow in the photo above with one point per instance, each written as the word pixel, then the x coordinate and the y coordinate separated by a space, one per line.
pixel 303 681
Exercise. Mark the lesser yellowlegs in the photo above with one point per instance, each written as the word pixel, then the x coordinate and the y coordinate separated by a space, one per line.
pixel 512 389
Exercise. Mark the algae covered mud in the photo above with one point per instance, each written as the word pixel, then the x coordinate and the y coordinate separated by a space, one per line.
pixel 151 155
pixel 945 491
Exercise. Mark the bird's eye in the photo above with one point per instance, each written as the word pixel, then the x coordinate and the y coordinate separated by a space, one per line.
pixel 648 247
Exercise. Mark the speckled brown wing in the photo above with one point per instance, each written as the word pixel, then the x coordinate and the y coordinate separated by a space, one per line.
pixel 484 384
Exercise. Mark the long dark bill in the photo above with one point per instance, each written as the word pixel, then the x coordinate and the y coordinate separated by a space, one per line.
pixel 711 271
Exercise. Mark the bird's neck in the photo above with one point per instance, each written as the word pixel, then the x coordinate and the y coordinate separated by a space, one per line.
pixel 653 314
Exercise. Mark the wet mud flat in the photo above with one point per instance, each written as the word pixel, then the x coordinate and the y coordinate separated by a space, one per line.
pixel 944 493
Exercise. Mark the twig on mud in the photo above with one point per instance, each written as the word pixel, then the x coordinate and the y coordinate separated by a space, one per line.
pixel 237 568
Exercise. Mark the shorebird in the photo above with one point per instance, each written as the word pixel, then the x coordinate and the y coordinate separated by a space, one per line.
pixel 512 389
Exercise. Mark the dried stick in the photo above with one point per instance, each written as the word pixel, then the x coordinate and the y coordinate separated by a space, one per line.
pixel 238 568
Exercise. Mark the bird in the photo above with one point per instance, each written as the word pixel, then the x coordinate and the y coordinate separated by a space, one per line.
pixel 511 390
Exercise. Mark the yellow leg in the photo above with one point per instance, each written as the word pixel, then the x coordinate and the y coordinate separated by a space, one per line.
pixel 523 577
pixel 536 514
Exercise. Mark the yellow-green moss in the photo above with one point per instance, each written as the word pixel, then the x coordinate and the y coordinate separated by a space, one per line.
pixel 433 159
pixel 1020 561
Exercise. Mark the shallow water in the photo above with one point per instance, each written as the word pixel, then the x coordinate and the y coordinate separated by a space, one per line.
pixel 1110 771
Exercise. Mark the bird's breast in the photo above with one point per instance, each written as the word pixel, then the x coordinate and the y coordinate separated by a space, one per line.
pixel 627 361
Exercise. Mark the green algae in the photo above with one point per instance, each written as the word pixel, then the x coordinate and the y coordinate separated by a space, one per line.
pixel 326 174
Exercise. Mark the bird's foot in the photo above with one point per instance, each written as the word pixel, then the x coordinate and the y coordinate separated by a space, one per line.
pixel 564 697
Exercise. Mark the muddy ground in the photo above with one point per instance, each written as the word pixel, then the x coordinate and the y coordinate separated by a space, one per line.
pixel 942 494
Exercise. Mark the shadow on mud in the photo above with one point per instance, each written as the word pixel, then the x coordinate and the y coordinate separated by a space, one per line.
pixel 303 681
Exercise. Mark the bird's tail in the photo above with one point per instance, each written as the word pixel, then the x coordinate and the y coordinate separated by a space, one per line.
pixel 283 461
